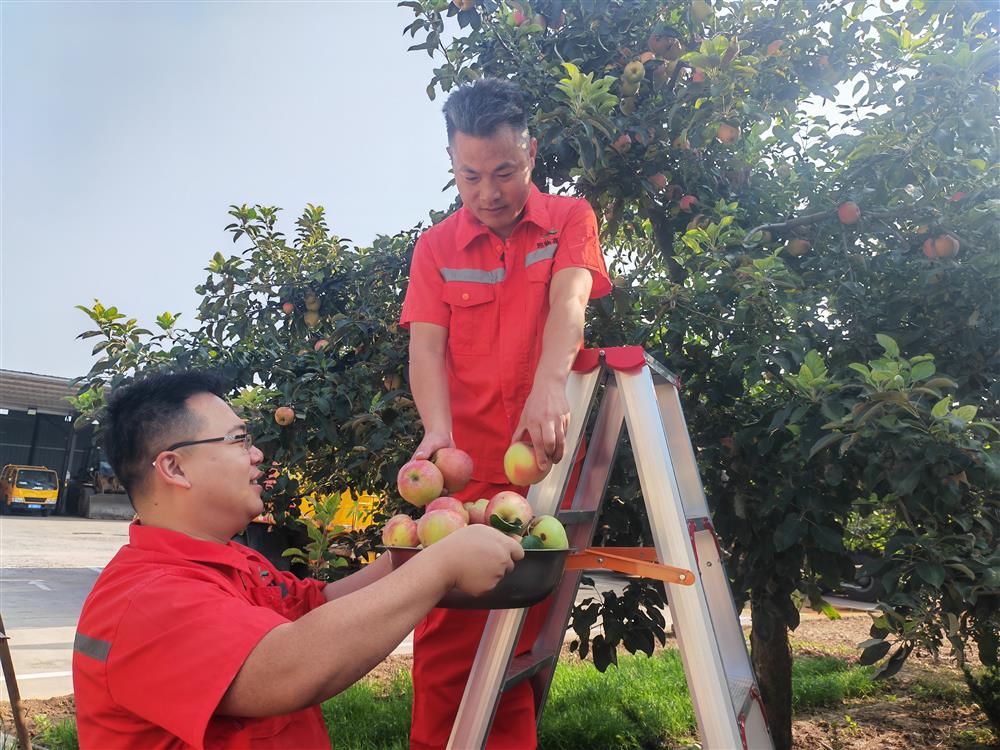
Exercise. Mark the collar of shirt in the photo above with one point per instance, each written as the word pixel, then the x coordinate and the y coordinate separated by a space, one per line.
pixel 535 212
pixel 176 544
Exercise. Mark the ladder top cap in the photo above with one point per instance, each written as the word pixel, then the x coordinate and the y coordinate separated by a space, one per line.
pixel 615 358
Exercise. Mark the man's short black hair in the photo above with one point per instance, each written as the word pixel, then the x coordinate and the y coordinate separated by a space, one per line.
pixel 480 107
pixel 143 418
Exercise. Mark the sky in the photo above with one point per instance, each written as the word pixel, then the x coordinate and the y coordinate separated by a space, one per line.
pixel 127 130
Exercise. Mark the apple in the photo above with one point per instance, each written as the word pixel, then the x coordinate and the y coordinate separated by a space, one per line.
pixel 312 303
pixel 464 4
pixel 687 203
pixel 511 508
pixel 634 72
pixel 798 247
pixel 701 10
pixel 288 307
pixel 550 532
pixel 520 466
pixel 942 246
pixel 477 510
pixel 622 143
pixel 630 88
pixel 392 381
pixel 728 134
pixel 448 503
pixel 436 525
pixel 848 212
pixel 645 57
pixel 455 466
pixel 659 180
pixel 400 531
pixel 628 105
pixel 519 18
pixel 419 482
pixel 311 318
pixel 664 45
pixel 321 344
pixel 284 415
pixel 682 143
pixel 698 76
pixel 774 48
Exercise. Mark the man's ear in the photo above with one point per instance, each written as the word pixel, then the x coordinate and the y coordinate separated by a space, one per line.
pixel 169 470
pixel 532 150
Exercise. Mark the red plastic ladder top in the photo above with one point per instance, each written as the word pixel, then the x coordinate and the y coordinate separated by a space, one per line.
pixel 615 357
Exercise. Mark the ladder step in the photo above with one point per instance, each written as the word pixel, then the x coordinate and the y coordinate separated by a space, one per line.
pixel 572 517
pixel 527 665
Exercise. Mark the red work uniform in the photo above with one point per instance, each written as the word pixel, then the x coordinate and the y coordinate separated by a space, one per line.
pixel 167 627
pixel 493 297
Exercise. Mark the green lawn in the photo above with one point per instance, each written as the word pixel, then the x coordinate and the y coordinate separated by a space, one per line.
pixel 643 703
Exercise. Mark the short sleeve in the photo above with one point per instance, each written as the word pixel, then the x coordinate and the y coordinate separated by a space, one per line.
pixel 177 649
pixel 579 247
pixel 423 302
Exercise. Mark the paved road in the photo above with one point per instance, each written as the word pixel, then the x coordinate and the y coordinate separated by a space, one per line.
pixel 47 568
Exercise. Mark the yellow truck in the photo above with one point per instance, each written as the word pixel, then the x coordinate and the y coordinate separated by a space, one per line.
pixel 28 488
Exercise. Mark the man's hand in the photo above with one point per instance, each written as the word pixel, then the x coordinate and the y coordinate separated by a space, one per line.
pixel 478 556
pixel 431 443
pixel 545 419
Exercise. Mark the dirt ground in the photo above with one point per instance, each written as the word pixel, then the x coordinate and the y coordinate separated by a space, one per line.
pixel 925 707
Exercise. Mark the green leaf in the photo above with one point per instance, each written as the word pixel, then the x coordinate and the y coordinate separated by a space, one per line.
pixel 940 409
pixel 824 441
pixel 894 664
pixel 874 653
pixel 888 343
pixel 505 526
pixel 966 413
pixel 789 531
pixel 922 370
pixel 932 573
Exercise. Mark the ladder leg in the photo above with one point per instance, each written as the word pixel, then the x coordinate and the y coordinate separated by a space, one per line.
pixel 485 685
pixel 503 627
pixel 703 665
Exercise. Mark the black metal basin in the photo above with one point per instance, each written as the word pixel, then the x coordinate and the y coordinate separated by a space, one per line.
pixel 532 579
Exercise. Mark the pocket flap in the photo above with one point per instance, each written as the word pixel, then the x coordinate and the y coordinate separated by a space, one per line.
pixel 467 294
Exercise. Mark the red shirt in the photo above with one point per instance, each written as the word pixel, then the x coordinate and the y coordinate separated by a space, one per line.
pixel 168 625
pixel 493 297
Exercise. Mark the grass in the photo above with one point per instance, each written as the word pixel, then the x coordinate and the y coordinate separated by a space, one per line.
pixel 643 703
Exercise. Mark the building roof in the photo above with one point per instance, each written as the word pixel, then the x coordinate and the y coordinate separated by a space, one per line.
pixel 20 391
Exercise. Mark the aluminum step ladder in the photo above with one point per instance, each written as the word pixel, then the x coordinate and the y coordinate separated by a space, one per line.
pixel 640 393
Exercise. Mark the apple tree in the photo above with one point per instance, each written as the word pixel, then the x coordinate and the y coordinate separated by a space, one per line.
pixel 797 266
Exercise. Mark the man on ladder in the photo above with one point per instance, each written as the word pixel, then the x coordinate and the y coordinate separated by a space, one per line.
pixel 495 308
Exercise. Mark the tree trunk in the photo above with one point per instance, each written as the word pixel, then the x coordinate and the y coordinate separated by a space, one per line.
pixel 772 660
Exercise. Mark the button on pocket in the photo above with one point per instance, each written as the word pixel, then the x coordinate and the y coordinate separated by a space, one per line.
pixel 473 316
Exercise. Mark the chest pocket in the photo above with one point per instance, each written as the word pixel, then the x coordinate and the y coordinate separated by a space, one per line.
pixel 473 316
pixel 538 263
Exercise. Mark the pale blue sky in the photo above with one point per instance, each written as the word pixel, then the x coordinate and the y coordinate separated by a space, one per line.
pixel 129 128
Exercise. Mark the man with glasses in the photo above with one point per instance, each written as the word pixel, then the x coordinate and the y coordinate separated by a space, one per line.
pixel 191 640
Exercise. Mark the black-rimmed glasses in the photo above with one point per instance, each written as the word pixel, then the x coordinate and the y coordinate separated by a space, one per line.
pixel 244 437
